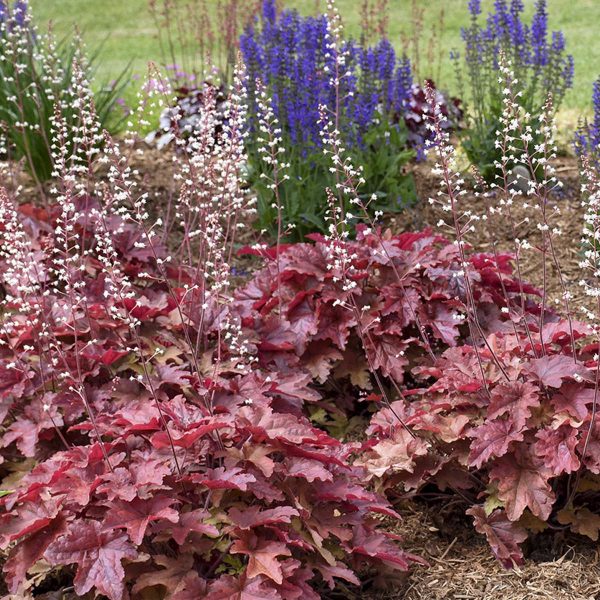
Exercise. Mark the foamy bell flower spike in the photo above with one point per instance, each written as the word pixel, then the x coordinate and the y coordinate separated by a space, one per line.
pixel 445 166
pixel 21 276
pixel 213 204
pixel 270 142
pixel 72 165
pixel 452 188
pixel 154 98
pixel 348 177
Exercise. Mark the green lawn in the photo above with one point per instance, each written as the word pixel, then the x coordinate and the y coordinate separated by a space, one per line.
pixel 128 34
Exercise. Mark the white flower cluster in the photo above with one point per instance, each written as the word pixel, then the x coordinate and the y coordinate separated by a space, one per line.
pixel 272 151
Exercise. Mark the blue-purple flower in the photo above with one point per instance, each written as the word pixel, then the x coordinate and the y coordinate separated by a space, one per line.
pixel 15 16
pixel 587 137
pixel 289 54
pixel 538 59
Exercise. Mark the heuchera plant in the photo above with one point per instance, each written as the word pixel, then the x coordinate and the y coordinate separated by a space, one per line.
pixel 418 113
pixel 407 306
pixel 510 417
pixel 164 456
pixel 506 422
pixel 521 443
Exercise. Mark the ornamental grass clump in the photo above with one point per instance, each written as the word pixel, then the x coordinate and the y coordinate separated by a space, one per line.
pixel 36 76
pixel 540 62
pixel 195 35
pixel 302 64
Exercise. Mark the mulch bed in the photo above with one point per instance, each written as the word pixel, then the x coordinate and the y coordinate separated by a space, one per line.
pixel 461 565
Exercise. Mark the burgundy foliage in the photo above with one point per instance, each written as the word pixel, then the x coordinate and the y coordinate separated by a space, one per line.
pixel 159 468
pixel 513 438
pixel 419 113
pixel 150 462
pixel 522 442
pixel 408 304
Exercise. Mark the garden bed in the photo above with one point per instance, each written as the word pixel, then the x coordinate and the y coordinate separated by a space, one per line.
pixel 461 566
pixel 232 366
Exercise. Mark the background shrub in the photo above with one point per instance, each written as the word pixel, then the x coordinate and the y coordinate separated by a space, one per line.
pixel 539 62
pixel 296 61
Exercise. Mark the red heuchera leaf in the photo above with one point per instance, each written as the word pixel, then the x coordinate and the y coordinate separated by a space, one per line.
pixel 515 399
pixel 11 385
pixel 386 352
pixel 262 556
pixel 492 439
pixel 590 443
pixel 557 448
pixel 135 516
pixel 552 370
pixel 225 479
pixel 192 521
pixel 168 374
pixel 310 470
pixel 295 584
pixel 444 324
pixel 106 356
pixel 523 483
pixel 502 535
pixel 252 516
pixel 328 572
pixel 98 555
pixel 28 518
pixel 394 454
pixel 259 457
pixel 25 430
pixel 187 439
pixel 447 428
pixel 144 473
pixel 307 259
pixel 178 577
pixel 561 331
pixel 574 398
pixel 262 421
pixel 335 324
pixel 378 545
pixel 457 370
pixel 294 388
pixel 242 588
pixel 23 556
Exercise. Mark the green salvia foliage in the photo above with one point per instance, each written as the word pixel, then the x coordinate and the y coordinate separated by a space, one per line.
pixel 383 157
